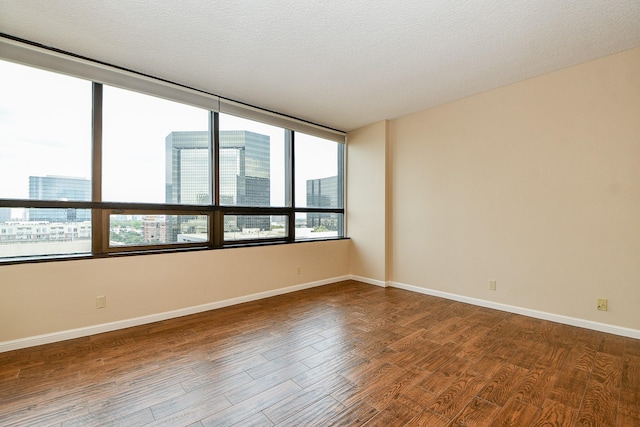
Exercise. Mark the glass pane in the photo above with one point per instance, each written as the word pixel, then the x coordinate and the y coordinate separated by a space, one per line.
pixel 32 232
pixel 143 230
pixel 247 227
pixel 154 150
pixel 45 135
pixel 252 163
pixel 318 165
pixel 312 225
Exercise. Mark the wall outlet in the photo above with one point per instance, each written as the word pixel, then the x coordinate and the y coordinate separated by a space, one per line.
pixel 298 270
pixel 492 285
pixel 101 301
pixel 603 304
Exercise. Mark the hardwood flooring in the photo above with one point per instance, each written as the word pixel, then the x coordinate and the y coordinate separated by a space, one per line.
pixel 341 354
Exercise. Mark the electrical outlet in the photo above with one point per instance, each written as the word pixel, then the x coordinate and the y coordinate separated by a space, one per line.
pixel 298 270
pixel 603 304
pixel 492 285
pixel 101 301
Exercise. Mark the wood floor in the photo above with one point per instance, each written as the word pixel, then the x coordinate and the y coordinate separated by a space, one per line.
pixel 341 354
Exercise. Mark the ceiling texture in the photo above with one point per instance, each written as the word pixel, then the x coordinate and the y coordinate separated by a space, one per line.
pixel 338 63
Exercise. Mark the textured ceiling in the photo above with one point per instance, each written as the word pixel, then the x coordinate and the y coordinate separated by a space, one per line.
pixel 340 63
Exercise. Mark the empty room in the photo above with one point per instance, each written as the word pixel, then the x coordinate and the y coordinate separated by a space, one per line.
pixel 421 213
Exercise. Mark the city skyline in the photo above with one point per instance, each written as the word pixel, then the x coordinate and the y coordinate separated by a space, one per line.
pixel 135 126
pixel 134 130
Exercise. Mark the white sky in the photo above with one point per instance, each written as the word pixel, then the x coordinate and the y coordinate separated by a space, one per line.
pixel 45 129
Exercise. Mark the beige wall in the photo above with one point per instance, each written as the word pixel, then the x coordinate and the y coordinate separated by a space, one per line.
pixel 535 185
pixel 366 201
pixel 53 297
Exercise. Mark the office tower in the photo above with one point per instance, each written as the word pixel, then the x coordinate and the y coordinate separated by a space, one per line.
pixel 59 188
pixel 5 214
pixel 187 174
pixel 244 162
pixel 323 193
pixel 245 168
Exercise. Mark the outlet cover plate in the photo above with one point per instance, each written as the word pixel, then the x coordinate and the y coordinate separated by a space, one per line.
pixel 603 304
pixel 101 301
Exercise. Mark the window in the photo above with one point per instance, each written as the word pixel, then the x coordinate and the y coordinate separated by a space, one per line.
pixel 45 135
pixel 254 227
pixel 252 167
pixel 93 168
pixel 45 155
pixel 252 163
pixel 154 150
pixel 57 232
pixel 319 187
pixel 126 231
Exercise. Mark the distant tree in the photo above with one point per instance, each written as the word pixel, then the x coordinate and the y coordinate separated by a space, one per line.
pixel 127 237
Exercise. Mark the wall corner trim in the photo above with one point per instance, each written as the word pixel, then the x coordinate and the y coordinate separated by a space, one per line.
pixel 127 323
pixel 557 318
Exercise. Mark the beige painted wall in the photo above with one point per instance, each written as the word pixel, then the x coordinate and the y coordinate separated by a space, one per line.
pixel 54 297
pixel 535 185
pixel 366 200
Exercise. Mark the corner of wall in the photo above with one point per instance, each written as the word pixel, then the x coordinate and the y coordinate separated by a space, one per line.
pixel 367 201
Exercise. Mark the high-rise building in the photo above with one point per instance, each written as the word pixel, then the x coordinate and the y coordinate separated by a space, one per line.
pixel 323 193
pixel 245 168
pixel 59 188
pixel 5 214
pixel 187 175
pixel 244 173
pixel 154 229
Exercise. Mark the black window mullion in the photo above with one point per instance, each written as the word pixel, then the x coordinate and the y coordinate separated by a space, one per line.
pixel 290 177
pixel 341 174
pixel 100 230
pixel 216 219
pixel 214 143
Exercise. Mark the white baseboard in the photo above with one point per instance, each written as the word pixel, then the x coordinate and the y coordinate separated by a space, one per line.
pixel 581 323
pixel 112 326
pixel 127 323
pixel 369 281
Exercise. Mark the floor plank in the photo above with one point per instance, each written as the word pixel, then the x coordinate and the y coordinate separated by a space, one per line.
pixel 478 413
pixel 599 406
pixel 515 413
pixel 554 414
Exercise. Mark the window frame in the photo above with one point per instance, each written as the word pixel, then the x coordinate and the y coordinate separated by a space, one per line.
pixel 33 55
